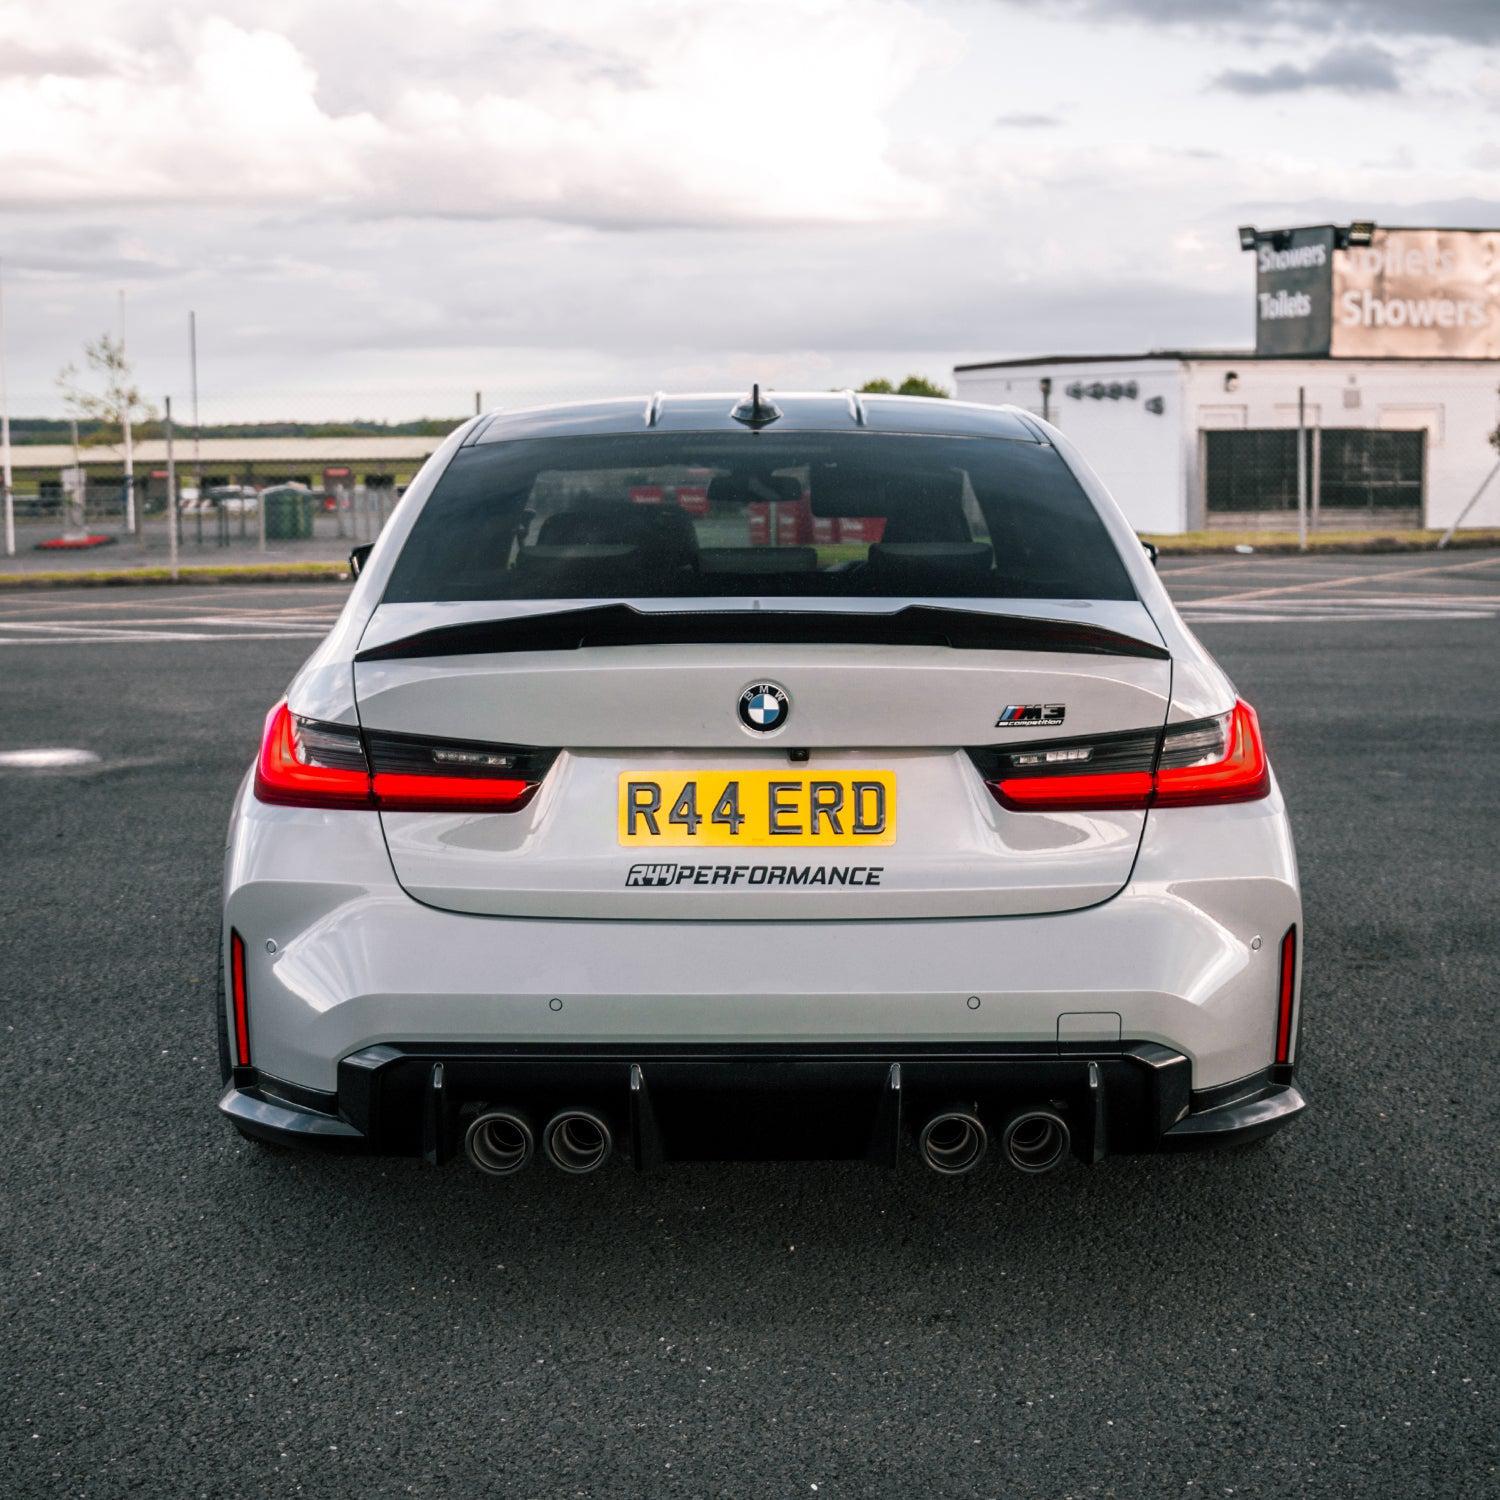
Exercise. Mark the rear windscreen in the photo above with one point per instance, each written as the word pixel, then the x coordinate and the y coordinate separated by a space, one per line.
pixel 662 515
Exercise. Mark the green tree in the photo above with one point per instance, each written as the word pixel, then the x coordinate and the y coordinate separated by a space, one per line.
pixel 913 385
pixel 105 395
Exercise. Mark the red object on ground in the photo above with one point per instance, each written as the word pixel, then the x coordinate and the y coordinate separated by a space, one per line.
pixel 75 543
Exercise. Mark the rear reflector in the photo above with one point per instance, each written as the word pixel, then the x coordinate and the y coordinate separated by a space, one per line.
pixel 1285 998
pixel 306 763
pixel 1187 765
pixel 241 998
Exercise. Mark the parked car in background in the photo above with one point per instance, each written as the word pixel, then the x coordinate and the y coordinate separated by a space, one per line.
pixel 229 499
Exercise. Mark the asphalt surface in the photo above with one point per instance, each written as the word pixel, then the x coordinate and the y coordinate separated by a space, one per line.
pixel 188 1314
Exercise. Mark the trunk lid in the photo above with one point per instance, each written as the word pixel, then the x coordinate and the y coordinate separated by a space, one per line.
pixel 635 700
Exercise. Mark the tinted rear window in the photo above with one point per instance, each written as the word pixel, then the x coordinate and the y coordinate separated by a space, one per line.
pixel 663 515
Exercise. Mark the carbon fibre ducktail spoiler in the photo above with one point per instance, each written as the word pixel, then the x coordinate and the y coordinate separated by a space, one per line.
pixel 624 625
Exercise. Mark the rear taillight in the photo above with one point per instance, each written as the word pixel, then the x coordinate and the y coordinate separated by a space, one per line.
pixel 240 995
pixel 1225 764
pixel 308 763
pixel 1186 765
pixel 1286 996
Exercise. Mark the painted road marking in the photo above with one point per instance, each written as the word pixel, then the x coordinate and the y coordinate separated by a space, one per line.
pixel 1297 590
pixel 45 759
pixel 1398 574
pixel 125 638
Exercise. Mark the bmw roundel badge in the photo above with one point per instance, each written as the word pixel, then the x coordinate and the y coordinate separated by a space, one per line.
pixel 764 706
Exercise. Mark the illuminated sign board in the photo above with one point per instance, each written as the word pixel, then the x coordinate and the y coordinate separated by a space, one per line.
pixel 1408 294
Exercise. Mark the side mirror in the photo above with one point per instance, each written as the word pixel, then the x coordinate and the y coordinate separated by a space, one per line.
pixel 360 556
pixel 1152 550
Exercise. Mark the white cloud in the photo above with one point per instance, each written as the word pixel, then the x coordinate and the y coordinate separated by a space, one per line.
pixel 661 112
pixel 553 197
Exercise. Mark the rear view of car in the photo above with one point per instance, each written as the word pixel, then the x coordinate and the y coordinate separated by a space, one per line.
pixel 713 778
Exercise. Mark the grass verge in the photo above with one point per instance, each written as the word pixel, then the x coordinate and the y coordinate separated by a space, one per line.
pixel 88 578
pixel 1190 543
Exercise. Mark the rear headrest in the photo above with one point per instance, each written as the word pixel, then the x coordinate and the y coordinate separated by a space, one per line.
pixel 930 567
pixel 664 532
pixel 581 569
pixel 931 509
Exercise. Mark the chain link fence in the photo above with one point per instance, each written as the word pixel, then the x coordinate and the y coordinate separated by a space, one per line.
pixel 255 476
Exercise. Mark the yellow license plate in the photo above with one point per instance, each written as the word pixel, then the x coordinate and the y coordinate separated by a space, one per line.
pixel 757 809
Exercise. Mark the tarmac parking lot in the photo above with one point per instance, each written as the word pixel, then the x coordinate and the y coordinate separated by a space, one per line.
pixel 188 1314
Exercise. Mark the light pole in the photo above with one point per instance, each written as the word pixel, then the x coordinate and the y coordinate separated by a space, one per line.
pixel 125 427
pixel 5 474
pixel 197 429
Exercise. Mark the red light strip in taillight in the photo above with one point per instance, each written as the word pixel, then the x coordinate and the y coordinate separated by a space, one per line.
pixel 281 778
pixel 399 792
pixel 1109 789
pixel 1243 775
pixel 1286 996
pixel 241 997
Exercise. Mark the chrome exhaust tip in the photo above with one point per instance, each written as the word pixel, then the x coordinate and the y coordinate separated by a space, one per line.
pixel 577 1141
pixel 953 1142
pixel 1035 1140
pixel 499 1141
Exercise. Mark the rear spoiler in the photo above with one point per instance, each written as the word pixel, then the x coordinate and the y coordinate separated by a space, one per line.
pixel 624 625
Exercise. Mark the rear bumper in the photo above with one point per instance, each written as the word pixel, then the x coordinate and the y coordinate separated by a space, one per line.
pixel 757 1103
pixel 341 960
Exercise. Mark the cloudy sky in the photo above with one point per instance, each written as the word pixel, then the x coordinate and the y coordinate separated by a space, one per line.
pixel 379 207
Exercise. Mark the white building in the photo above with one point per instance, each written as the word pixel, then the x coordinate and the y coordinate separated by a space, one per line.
pixel 1191 439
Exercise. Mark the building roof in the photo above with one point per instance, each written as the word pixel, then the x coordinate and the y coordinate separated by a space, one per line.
pixel 1227 356
pixel 1099 359
pixel 302 450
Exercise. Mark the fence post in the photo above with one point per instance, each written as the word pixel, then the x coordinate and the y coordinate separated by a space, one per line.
pixel 197 424
pixel 1302 468
pixel 171 494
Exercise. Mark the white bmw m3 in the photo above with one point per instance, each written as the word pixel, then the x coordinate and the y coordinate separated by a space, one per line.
pixel 716 777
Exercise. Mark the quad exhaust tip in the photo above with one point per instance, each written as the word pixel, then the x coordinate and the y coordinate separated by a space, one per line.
pixel 499 1141
pixel 953 1142
pixel 577 1141
pixel 1035 1140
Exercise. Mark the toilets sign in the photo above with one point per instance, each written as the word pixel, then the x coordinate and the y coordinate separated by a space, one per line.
pixel 1293 287
pixel 1409 293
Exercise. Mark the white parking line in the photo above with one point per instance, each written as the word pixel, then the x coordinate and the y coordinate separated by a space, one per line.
pixel 1397 574
pixel 125 637
pixel 1386 591
pixel 1271 617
